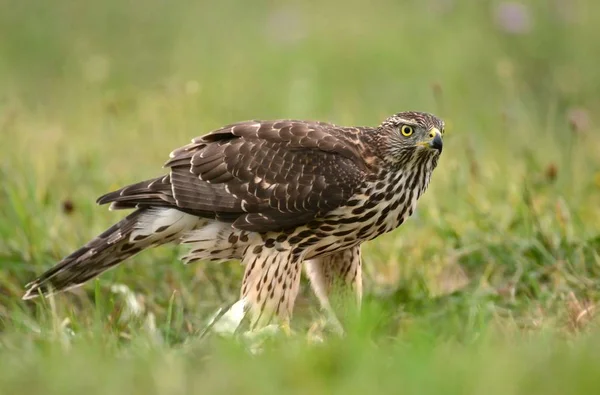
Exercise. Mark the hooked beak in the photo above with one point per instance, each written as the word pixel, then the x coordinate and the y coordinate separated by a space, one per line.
pixel 436 141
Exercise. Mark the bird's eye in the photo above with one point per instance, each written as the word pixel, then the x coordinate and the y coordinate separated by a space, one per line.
pixel 406 130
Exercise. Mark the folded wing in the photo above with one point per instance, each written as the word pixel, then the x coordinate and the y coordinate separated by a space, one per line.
pixel 260 176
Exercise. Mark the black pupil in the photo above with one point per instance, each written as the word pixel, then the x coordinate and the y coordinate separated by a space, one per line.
pixel 407 130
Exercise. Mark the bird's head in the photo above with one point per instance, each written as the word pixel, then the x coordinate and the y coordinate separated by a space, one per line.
pixel 410 135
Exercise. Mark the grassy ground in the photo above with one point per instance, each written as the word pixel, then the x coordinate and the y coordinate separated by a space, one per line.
pixel 491 288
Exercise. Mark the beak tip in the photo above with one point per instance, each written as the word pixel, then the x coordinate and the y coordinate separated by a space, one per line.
pixel 437 143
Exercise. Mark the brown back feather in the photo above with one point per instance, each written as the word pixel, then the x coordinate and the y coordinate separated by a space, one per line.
pixel 261 176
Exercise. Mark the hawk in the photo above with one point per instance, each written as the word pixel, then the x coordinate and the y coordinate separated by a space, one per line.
pixel 274 195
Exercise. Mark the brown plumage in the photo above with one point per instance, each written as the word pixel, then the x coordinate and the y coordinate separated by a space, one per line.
pixel 271 194
pixel 262 176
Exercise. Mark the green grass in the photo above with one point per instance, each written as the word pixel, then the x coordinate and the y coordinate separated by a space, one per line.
pixel 491 288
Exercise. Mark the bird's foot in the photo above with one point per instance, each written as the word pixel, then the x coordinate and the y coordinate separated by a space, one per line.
pixel 323 327
pixel 284 326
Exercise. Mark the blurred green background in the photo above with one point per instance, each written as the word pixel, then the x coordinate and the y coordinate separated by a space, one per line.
pixel 492 287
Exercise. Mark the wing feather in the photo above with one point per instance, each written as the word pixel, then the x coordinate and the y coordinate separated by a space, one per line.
pixel 261 176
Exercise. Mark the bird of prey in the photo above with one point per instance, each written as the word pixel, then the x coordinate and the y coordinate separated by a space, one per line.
pixel 274 195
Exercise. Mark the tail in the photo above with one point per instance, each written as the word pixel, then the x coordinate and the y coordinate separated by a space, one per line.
pixel 139 230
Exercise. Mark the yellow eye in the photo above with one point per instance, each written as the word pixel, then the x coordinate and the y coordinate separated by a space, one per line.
pixel 406 130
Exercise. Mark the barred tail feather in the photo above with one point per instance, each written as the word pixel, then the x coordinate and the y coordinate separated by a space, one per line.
pixel 139 230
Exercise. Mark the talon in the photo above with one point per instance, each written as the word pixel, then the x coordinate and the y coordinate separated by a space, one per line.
pixel 285 327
